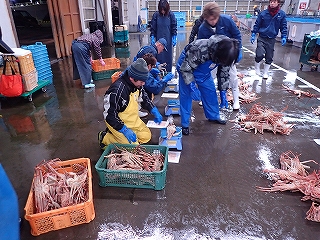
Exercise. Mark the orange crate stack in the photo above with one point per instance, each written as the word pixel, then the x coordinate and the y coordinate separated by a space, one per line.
pixel 115 76
pixel 111 63
pixel 66 216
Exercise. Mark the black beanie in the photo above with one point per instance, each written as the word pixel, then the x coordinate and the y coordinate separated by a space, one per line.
pixel 138 70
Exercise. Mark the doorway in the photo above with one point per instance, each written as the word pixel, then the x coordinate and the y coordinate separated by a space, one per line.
pixel 32 22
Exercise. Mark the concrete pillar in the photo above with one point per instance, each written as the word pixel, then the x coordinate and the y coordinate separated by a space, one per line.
pixel 133 12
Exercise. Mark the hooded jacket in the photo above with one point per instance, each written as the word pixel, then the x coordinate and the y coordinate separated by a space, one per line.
pixel 94 39
pixel 197 53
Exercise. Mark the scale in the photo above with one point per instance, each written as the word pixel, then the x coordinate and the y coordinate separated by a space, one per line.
pixel 173 107
pixel 174 142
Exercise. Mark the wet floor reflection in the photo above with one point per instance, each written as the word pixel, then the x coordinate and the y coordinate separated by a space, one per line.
pixel 210 194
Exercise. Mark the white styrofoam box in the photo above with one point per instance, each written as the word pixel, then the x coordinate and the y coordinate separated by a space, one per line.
pixel 20 52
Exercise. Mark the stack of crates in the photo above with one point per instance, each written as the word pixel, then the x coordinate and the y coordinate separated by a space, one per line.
pixel 122 52
pixel 121 34
pixel 100 72
pixel 27 68
pixel 41 61
pixel 181 18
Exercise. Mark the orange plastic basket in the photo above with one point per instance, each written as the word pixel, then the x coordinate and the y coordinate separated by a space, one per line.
pixel 111 63
pixel 66 216
pixel 115 76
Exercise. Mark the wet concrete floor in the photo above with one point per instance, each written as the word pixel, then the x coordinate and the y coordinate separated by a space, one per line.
pixel 210 194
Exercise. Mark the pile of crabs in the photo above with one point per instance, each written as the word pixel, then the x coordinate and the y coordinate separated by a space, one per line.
pixel 261 118
pixel 293 175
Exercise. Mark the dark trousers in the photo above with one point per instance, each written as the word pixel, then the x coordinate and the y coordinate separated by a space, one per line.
pixel 265 49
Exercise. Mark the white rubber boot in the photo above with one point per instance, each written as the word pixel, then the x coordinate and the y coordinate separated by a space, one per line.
pixel 265 71
pixel 257 68
pixel 236 102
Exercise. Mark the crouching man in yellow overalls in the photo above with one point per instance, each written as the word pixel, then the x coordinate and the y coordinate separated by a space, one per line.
pixel 121 108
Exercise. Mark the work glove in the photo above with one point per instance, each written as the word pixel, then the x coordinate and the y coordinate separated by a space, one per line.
pixel 195 93
pixel 283 41
pixel 223 98
pixel 161 66
pixel 253 38
pixel 154 72
pixel 153 40
pixel 156 114
pixel 129 134
pixel 167 77
pixel 174 40
pixel 102 62
pixel 239 56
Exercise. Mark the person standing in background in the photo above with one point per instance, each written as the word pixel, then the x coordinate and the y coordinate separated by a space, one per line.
pixel 164 25
pixel 216 23
pixel 256 10
pixel 268 24
pixel 82 57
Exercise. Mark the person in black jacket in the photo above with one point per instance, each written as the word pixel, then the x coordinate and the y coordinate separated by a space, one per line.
pixel 121 108
pixel 195 29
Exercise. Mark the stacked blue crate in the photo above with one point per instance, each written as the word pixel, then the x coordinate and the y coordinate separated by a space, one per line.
pixel 181 18
pixel 41 61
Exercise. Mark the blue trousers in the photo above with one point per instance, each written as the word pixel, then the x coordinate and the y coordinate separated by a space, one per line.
pixel 207 89
pixel 81 61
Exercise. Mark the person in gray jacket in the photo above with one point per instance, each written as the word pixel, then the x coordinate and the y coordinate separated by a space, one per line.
pixel 195 79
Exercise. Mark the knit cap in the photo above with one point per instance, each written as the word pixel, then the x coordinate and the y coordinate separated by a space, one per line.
pixel 138 70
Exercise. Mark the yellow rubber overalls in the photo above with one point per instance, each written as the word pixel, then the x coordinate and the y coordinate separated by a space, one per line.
pixel 131 119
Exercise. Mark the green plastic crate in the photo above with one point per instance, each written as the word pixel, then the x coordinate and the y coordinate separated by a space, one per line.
pixel 103 74
pixel 132 178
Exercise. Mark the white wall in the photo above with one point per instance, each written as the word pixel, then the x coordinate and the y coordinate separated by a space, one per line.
pixel 7 26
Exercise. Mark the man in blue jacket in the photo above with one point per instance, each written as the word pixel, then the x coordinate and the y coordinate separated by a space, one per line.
pixel 155 49
pixel 216 23
pixel 268 24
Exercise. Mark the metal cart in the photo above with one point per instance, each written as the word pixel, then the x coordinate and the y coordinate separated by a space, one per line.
pixel 310 52
pixel 28 95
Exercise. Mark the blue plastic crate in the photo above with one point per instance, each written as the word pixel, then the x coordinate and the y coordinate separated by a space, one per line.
pixel 181 23
pixel 180 16
pixel 41 60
